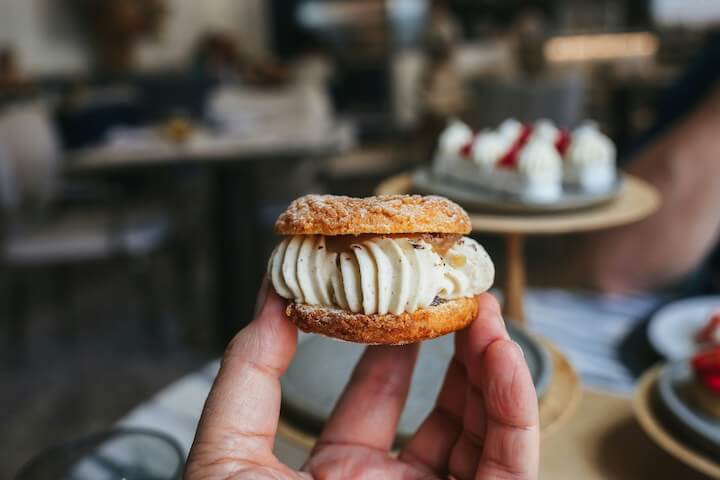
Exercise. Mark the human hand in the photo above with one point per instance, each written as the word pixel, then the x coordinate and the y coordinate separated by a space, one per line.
pixel 484 425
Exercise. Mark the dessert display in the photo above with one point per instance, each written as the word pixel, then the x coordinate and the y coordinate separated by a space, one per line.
pixel 706 388
pixel 532 162
pixel 390 269
pixel 710 333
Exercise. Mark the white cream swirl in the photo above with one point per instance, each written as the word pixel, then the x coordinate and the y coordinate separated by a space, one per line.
pixel 540 159
pixel 545 129
pixel 510 129
pixel 488 148
pixel 381 275
pixel 455 136
pixel 590 147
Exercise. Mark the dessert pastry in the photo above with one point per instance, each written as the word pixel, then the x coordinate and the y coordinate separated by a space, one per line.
pixel 710 333
pixel 453 151
pixel 706 388
pixel 527 161
pixel 590 160
pixel 381 270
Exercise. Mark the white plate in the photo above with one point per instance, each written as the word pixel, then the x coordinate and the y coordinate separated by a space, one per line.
pixel 673 328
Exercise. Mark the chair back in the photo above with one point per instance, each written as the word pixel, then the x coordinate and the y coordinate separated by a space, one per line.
pixel 31 156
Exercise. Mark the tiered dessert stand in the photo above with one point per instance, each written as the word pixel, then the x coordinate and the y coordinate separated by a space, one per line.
pixel 636 200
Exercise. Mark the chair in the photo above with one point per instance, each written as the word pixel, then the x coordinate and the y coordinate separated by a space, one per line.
pixel 37 237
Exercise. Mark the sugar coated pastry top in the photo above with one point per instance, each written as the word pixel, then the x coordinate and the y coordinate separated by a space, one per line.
pixel 388 214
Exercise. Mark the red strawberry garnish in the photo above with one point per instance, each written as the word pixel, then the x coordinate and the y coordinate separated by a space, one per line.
pixel 510 159
pixel 466 150
pixel 712 382
pixel 706 334
pixel 707 362
pixel 525 133
pixel 706 365
pixel 562 142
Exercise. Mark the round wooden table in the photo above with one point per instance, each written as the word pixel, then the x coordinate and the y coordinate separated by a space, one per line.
pixel 637 200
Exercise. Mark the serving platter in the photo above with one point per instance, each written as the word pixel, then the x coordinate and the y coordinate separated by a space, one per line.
pixel 322 367
pixel 652 419
pixel 477 198
pixel 675 384
pixel 672 329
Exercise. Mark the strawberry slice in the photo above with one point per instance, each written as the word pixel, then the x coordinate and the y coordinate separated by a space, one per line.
pixel 712 382
pixel 707 362
pixel 510 159
pixel 562 142
pixel 707 333
pixel 466 150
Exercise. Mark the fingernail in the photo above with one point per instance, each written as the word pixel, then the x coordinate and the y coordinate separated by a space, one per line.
pixel 261 296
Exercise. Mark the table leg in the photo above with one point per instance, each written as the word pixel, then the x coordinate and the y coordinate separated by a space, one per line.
pixel 235 212
pixel 515 279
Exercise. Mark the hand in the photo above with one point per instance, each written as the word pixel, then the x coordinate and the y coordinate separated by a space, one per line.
pixel 484 424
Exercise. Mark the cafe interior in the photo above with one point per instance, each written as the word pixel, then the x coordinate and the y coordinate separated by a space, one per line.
pixel 147 148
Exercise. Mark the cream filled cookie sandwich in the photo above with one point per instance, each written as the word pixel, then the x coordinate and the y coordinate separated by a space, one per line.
pixel 381 270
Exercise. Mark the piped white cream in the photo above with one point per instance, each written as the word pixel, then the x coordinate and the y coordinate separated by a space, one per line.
pixel 378 276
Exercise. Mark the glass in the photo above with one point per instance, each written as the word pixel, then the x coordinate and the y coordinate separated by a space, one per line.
pixel 129 454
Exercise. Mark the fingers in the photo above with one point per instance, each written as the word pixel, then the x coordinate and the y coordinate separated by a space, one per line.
pixel 434 442
pixel 512 442
pixel 488 328
pixel 369 409
pixel 431 445
pixel 241 413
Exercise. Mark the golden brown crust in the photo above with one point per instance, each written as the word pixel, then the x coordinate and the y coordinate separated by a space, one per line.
pixel 388 329
pixel 335 215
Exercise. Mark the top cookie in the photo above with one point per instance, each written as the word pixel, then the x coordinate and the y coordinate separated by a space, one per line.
pixel 387 214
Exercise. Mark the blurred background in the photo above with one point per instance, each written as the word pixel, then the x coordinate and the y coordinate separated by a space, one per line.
pixel 146 147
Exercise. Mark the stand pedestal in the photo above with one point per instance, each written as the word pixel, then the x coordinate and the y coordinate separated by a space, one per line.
pixel 515 279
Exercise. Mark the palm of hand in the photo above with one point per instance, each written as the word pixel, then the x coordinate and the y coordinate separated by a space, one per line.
pixel 484 425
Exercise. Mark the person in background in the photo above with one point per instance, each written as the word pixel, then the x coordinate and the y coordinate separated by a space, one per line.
pixel 12 82
pixel 114 28
pixel 220 56
pixel 444 95
pixel 678 245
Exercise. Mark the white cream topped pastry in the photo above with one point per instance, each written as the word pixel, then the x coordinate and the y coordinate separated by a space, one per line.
pixel 488 148
pixel 545 130
pixel 533 162
pixel 590 159
pixel 590 147
pixel 510 129
pixel 455 137
pixel 539 159
pixel 540 170
pixel 380 275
